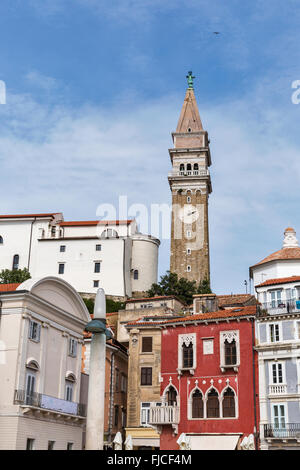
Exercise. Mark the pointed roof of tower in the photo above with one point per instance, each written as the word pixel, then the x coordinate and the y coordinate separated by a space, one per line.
pixel 189 116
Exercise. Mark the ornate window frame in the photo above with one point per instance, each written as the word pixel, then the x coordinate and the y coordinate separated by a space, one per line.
pixel 186 339
pixel 190 404
pixel 229 335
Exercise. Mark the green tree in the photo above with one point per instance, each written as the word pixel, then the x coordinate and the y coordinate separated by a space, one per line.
pixel 111 305
pixel 170 285
pixel 204 287
pixel 9 276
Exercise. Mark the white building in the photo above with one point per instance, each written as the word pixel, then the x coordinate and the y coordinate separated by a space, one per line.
pixel 87 254
pixel 277 287
pixel 41 337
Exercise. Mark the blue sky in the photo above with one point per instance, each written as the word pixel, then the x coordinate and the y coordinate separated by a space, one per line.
pixel 95 88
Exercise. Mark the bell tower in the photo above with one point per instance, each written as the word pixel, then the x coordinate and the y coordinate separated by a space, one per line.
pixel 190 186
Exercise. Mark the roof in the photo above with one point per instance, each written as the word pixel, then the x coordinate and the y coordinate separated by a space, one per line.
pixel 280 280
pixel 283 254
pixel 9 287
pixel 225 300
pixel 82 223
pixel 24 216
pixel 220 315
pixel 158 297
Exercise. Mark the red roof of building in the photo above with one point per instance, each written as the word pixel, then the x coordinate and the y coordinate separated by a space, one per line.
pixel 158 297
pixel 280 280
pixel 235 299
pixel 82 223
pixel 9 287
pixel 220 315
pixel 284 253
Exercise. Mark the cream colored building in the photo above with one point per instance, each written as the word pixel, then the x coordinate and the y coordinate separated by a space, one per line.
pixel 41 333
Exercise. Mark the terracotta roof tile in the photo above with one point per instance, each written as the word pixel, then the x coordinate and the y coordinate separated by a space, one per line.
pixel 236 312
pixel 280 280
pixel 158 297
pixel 82 223
pixel 234 299
pixel 9 287
pixel 15 216
pixel 284 253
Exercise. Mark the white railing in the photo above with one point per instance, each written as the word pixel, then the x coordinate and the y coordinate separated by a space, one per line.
pixel 164 415
pixel 189 173
pixel 278 389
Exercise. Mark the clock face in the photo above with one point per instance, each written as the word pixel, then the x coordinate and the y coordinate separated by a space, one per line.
pixel 188 214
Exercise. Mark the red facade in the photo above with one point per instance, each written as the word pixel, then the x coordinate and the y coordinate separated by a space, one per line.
pixel 224 376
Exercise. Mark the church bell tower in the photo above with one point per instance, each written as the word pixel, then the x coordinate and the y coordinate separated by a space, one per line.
pixel 190 186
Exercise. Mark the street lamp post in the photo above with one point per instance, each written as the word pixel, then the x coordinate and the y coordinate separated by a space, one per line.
pixel 95 408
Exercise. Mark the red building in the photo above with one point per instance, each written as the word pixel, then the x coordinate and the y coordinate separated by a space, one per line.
pixel 209 380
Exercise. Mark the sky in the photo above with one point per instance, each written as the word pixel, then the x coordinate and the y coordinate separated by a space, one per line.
pixel 94 90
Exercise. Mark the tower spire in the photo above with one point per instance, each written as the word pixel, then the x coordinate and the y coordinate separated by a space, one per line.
pixel 189 119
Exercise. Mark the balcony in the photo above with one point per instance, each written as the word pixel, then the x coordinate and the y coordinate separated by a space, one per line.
pixel 277 307
pixel 278 389
pixel 160 415
pixel 49 404
pixel 188 173
pixel 286 431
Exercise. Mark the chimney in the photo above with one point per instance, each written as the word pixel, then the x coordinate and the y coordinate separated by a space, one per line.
pixel 204 303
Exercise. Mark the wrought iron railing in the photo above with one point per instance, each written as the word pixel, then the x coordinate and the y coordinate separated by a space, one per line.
pixel 40 400
pixel 283 431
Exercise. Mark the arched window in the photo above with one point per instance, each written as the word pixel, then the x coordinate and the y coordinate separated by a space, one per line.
pixel 1 240
pixel 213 405
pixel 196 168
pixel 197 404
pixel 16 262
pixel 189 168
pixel 228 404
pixel 109 233
pixel 181 168
pixel 230 352
pixel 171 396
pixel 136 274
pixel 69 390
pixel 187 356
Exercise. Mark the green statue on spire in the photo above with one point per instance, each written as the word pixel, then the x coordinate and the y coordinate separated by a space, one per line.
pixel 190 80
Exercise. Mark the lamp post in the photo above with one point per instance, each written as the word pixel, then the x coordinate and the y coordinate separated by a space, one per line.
pixel 95 408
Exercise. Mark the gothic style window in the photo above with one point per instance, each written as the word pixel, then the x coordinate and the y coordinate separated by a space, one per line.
pixel 229 350
pixel 171 396
pixel 228 404
pixel 230 353
pixel 16 259
pixel 213 405
pixel 197 404
pixel 187 354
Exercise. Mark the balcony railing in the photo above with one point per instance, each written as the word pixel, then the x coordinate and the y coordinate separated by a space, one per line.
pixel 285 431
pixel 278 389
pixel 46 402
pixel 189 173
pixel 164 415
pixel 280 306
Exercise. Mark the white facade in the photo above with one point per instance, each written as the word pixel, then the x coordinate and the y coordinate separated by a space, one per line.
pixel 88 254
pixel 41 337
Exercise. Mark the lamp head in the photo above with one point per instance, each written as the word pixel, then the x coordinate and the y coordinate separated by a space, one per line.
pixel 100 305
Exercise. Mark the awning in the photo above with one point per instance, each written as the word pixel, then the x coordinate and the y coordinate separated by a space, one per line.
pixel 213 441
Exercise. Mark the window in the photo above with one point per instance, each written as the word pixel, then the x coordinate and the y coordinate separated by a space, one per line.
pixel 109 233
pixel 123 383
pixel 171 396
pixel 116 415
pixel 62 248
pixel 188 268
pixel 72 347
pixel 123 418
pixel 51 445
pixel 135 274
pixel 34 331
pixel 30 388
pixel 70 446
pixel 188 234
pixel 230 352
pixel 146 376
pixel 213 405
pixel 279 416
pixel 30 444
pixel 117 380
pixel 188 199
pixel 274 332
pixel 96 283
pixel 277 373
pixel 97 267
pixel 197 404
pixel 61 268
pixel 228 403
pixel 70 380
pixel 1 240
pixel 275 298
pixel 16 259
pixel 147 344
pixel 188 251
pixel 187 353
pixel 196 168
pixel 145 412
pixel 181 168
pixel 208 346
pixel 189 168
pixel 98 247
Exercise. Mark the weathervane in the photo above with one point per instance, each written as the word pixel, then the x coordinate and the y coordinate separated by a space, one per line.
pixel 190 79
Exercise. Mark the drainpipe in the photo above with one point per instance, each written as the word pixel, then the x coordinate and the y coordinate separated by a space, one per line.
pixel 111 396
pixel 30 243
pixel 254 384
